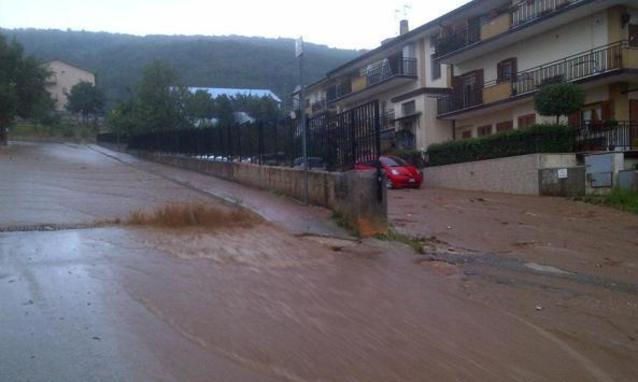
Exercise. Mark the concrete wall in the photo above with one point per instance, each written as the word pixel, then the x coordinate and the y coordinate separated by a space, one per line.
pixel 354 194
pixel 515 175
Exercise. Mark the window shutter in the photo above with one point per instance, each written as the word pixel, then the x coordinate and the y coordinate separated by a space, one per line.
pixel 574 119
pixel 607 110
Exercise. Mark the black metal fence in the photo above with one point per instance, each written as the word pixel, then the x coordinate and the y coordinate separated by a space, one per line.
pixel 335 142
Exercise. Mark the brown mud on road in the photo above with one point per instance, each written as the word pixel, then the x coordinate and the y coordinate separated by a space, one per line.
pixel 568 267
pixel 266 302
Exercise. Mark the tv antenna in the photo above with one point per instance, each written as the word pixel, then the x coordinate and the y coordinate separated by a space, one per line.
pixel 403 11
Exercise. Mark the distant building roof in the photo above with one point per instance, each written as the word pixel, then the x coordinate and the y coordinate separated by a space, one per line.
pixel 231 92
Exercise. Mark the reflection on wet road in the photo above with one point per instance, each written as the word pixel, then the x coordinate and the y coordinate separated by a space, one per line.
pixel 140 304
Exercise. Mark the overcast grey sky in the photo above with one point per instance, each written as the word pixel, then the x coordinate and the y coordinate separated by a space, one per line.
pixel 337 23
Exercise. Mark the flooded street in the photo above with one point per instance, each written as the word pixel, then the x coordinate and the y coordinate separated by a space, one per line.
pixel 282 300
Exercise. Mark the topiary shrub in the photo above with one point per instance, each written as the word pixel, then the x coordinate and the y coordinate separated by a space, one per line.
pixel 559 99
pixel 534 139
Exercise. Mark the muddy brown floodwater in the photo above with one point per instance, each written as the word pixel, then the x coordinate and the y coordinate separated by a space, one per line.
pixel 258 303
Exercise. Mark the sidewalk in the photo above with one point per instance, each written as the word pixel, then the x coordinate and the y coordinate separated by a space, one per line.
pixel 280 210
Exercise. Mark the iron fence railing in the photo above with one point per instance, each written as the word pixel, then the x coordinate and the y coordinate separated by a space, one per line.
pixel 523 12
pixel 606 136
pixel 529 10
pixel 460 100
pixel 573 68
pixel 457 39
pixel 375 74
pixel 340 140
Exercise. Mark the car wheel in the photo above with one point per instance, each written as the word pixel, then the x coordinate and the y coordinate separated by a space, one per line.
pixel 388 184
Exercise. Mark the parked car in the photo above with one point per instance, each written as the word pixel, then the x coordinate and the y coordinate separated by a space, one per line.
pixel 313 163
pixel 398 173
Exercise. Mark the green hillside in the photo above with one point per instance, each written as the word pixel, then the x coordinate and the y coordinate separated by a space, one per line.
pixel 217 61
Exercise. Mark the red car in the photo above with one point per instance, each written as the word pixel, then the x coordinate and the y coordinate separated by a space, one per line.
pixel 398 173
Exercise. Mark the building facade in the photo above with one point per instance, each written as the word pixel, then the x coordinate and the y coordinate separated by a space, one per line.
pixel 399 74
pixel 63 77
pixel 474 71
pixel 502 52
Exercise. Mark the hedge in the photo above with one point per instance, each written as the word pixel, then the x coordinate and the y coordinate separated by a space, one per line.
pixel 413 157
pixel 534 139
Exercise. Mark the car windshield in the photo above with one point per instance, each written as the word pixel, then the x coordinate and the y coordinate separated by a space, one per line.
pixel 393 162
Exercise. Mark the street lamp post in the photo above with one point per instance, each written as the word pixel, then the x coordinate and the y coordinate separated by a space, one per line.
pixel 299 53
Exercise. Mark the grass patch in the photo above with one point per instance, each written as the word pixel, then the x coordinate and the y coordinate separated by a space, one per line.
pixel 63 131
pixel 181 215
pixel 346 223
pixel 416 243
pixel 625 200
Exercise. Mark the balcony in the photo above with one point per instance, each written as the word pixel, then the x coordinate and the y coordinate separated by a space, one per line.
pixel 497 23
pixel 583 66
pixel 529 10
pixel 373 75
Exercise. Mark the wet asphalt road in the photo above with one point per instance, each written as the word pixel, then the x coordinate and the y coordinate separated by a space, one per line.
pixel 253 304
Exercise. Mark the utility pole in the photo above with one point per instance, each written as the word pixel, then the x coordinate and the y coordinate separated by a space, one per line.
pixel 302 112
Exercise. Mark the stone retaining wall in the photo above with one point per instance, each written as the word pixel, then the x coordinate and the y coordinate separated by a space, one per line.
pixel 515 175
pixel 354 194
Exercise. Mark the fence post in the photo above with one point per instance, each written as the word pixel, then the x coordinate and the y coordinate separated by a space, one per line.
pixel 353 137
pixel 239 140
pixel 377 147
pixel 260 141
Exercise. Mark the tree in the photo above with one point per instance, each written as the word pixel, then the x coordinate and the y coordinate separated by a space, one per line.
pixel 121 119
pixel 200 107
pixel 224 110
pixel 160 101
pixel 85 100
pixel 559 99
pixel 22 85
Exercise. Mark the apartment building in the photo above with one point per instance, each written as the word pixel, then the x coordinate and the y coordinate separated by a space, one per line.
pixel 63 77
pixel 401 76
pixel 501 52
pixel 474 71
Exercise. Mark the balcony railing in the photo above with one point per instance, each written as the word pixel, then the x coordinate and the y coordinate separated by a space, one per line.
pixel 522 13
pixel 529 10
pixel 388 119
pixel 457 39
pixel 573 68
pixel 617 136
pixel 376 74
pixel 339 90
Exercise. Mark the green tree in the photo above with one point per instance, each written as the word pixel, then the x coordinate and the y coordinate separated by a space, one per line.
pixel 121 119
pixel 160 100
pixel 85 100
pixel 224 110
pixel 22 85
pixel 200 107
pixel 559 99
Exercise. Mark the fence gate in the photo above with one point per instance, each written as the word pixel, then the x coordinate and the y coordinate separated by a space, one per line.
pixel 346 139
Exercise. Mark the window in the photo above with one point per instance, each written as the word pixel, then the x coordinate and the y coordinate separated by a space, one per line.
pixel 436 68
pixel 506 70
pixel 484 130
pixel 466 134
pixel 526 120
pixel 504 126
pixel 408 108
pixel 597 113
